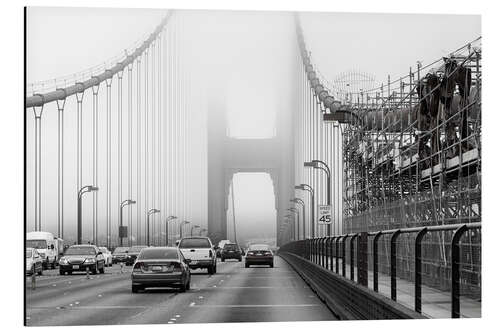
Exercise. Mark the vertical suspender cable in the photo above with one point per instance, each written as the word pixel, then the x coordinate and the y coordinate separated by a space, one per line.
pixel 108 162
pixel 79 99
pixel 60 167
pixel 95 145
pixel 120 134
pixel 146 134
pixel 129 153
pixel 138 154
pixel 153 138
pixel 37 111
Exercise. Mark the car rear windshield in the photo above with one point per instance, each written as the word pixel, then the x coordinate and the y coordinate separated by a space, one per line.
pixel 37 243
pixel 158 254
pixel 259 247
pixel 230 247
pixel 28 253
pixel 81 250
pixel 194 243
pixel 120 250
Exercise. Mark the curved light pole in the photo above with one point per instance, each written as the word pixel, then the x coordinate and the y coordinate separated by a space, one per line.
pixel 308 188
pixel 123 204
pixel 301 202
pixel 151 211
pixel 180 227
pixel 170 218
pixel 318 164
pixel 85 189
pixel 194 227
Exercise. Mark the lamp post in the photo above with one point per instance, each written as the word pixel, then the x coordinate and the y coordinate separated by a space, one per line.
pixel 85 189
pixel 297 223
pixel 301 202
pixel 180 227
pixel 308 188
pixel 289 226
pixel 123 204
pixel 151 211
pixel 194 227
pixel 170 218
pixel 318 164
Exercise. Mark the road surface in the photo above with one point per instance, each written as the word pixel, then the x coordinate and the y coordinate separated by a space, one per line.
pixel 234 294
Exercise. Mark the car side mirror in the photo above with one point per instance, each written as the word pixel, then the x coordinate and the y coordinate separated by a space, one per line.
pixel 187 261
pixel 98 253
pixel 52 246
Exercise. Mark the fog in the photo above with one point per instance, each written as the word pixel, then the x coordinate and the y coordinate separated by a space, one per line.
pixel 241 61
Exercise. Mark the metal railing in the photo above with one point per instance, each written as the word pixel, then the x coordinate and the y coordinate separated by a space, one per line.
pixel 330 253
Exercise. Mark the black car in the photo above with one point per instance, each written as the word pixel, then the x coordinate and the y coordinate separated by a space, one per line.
pixel 259 254
pixel 161 267
pixel 230 251
pixel 79 258
pixel 120 255
pixel 132 254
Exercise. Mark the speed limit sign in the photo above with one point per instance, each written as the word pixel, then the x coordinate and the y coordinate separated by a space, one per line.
pixel 324 214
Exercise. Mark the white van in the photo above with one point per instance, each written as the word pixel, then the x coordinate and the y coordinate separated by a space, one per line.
pixel 47 245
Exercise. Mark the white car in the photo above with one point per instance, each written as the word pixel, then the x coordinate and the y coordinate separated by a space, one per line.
pixel 34 262
pixel 108 256
pixel 199 253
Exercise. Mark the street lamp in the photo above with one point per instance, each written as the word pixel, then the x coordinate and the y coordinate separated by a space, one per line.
pixel 85 189
pixel 295 210
pixel 170 218
pixel 308 188
pixel 194 227
pixel 123 204
pixel 151 211
pixel 180 227
pixel 301 202
pixel 318 164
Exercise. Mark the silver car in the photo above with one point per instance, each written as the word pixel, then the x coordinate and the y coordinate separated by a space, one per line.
pixel 34 262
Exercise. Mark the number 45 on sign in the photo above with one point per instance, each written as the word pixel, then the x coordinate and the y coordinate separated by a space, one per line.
pixel 324 214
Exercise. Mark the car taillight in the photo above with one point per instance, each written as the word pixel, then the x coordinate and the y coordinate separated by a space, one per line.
pixel 267 253
pixel 210 253
pixel 138 266
pixel 250 253
pixel 177 267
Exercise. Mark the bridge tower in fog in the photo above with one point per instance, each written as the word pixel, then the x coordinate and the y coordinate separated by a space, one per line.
pixel 227 156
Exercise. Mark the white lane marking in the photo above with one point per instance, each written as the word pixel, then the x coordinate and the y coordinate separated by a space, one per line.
pixel 170 322
pixel 54 285
pixel 177 316
pixel 76 303
pixel 200 297
pixel 173 319
pixel 99 295
pixel 103 307
pixel 192 304
pixel 256 287
pixel 256 305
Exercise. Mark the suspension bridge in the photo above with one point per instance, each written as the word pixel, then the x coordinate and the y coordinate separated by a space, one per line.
pixel 398 165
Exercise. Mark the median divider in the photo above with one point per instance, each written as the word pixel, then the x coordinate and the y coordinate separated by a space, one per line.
pixel 345 298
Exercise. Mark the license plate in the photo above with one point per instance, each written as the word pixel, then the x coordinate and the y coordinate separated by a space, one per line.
pixel 76 267
pixel 156 268
pixel 259 254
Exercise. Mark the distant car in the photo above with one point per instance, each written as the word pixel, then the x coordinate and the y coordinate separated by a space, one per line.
pixel 34 262
pixel 132 254
pixel 230 251
pixel 108 257
pixel 79 258
pixel 220 246
pixel 160 267
pixel 199 252
pixel 259 254
pixel 120 255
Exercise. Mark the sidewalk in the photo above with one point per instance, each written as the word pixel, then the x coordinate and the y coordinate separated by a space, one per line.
pixel 435 303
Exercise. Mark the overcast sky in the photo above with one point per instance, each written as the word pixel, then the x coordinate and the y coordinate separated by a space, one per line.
pixel 246 58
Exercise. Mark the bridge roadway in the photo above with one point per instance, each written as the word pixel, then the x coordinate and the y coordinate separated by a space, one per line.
pixel 233 294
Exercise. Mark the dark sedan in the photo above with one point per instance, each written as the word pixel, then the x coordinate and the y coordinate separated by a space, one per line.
pixel 230 251
pixel 132 254
pixel 79 258
pixel 161 267
pixel 259 254
pixel 120 255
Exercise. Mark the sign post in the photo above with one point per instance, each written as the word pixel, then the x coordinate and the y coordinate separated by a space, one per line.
pixel 324 214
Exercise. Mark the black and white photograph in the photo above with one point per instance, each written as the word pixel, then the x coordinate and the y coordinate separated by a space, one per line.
pixel 206 165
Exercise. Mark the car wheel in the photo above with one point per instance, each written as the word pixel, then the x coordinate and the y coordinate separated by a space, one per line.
pixel 40 271
pixel 53 266
pixel 70 272
pixel 101 270
pixel 135 289
pixel 61 272
pixel 188 284
pixel 222 259
pixel 94 270
pixel 210 270
pixel 271 265
pixel 247 265
pixel 239 259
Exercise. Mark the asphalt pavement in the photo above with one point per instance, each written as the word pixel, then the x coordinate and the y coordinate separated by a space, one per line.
pixel 233 294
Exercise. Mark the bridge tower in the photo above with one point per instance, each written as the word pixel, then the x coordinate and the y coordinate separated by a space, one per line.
pixel 228 156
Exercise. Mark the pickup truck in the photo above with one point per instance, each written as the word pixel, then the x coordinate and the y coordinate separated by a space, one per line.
pixel 199 253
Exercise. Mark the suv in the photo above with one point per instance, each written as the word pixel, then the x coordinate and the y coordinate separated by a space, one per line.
pixel 132 254
pixel 79 258
pixel 199 253
pixel 230 251
pixel 120 255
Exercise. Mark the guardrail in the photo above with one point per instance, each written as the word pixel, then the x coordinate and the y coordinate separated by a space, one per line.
pixel 328 251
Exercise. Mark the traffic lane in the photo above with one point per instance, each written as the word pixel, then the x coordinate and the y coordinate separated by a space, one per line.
pixel 257 294
pixel 108 300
